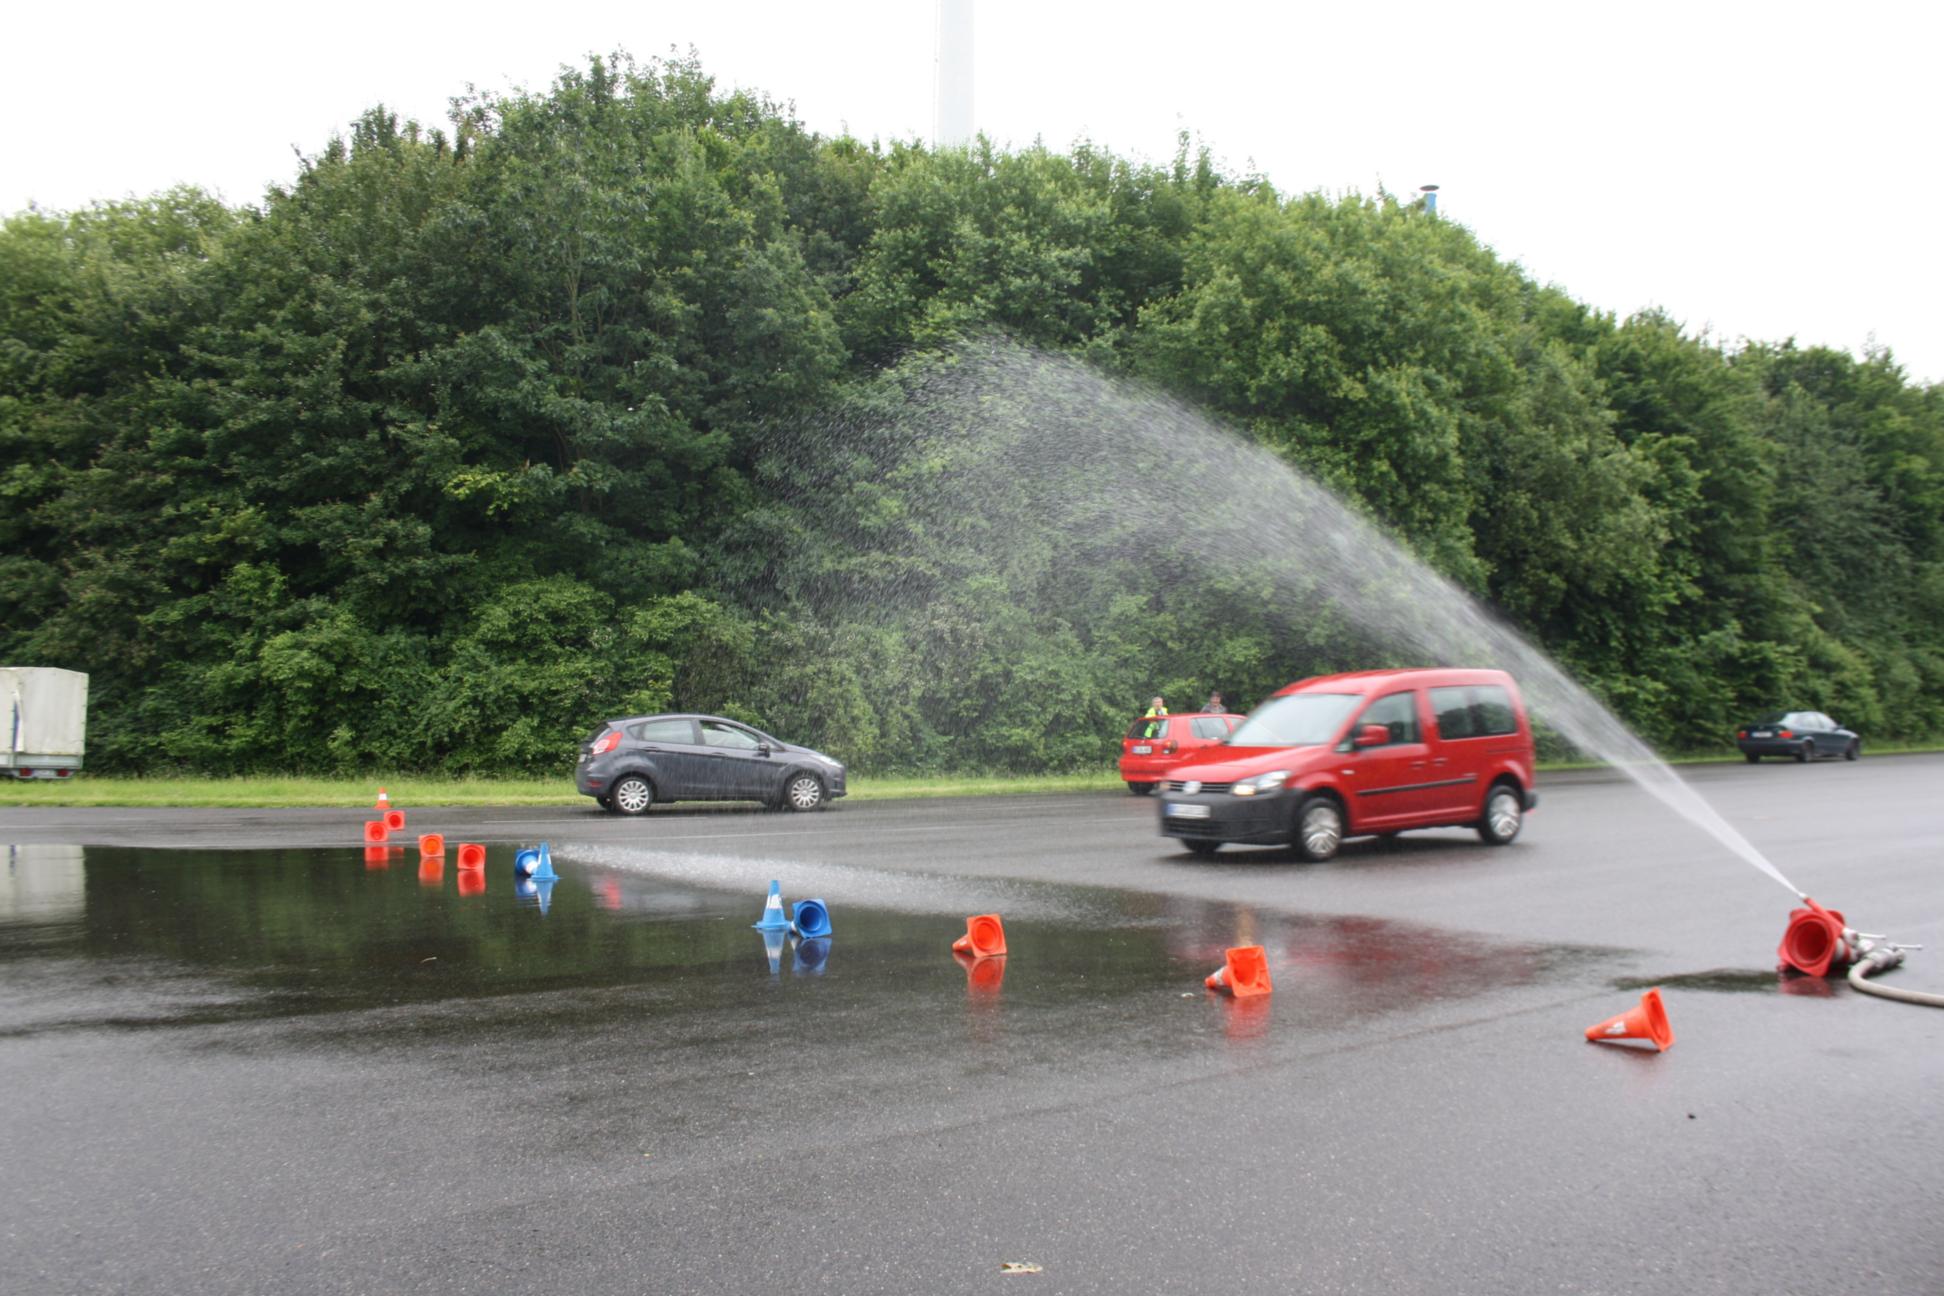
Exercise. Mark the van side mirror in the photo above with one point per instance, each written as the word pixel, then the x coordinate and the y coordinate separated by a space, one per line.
pixel 1372 735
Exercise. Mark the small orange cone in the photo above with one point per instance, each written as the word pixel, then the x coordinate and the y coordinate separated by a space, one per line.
pixel 1648 1022
pixel 384 803
pixel 985 937
pixel 394 820
pixel 472 855
pixel 1245 973
pixel 432 843
pixel 375 830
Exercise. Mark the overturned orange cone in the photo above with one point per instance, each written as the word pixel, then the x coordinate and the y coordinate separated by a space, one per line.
pixel 394 820
pixel 472 855
pixel 1647 1022
pixel 375 831
pixel 985 937
pixel 1245 973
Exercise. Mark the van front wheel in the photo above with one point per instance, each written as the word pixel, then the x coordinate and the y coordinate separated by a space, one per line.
pixel 1319 829
pixel 1504 815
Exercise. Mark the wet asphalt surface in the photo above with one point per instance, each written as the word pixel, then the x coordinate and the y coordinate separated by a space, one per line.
pixel 241 1057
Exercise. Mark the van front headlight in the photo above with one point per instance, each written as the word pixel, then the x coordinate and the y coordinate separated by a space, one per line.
pixel 1262 784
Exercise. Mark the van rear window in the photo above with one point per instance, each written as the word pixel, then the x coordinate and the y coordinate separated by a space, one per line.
pixel 1474 711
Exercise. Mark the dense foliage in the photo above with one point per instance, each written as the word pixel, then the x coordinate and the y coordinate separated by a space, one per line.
pixel 469 439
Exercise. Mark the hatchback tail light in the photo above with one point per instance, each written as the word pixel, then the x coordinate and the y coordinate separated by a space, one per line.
pixel 1169 747
pixel 607 742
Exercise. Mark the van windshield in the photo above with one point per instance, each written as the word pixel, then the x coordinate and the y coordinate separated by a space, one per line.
pixel 1295 720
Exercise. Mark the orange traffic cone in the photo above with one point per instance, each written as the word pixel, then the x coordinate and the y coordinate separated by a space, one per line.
pixel 375 830
pixel 394 820
pixel 384 803
pixel 472 855
pixel 432 843
pixel 1648 1022
pixel 1245 973
pixel 985 937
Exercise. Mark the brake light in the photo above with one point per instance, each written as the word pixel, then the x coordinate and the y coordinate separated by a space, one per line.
pixel 607 742
pixel 1741 733
pixel 1169 747
pixel 1783 733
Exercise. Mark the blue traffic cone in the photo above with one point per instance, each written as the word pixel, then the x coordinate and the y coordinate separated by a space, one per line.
pixel 524 862
pixel 536 863
pixel 773 919
pixel 810 919
pixel 773 939
pixel 545 872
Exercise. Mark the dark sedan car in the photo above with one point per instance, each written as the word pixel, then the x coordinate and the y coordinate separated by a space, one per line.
pixel 1803 735
pixel 631 764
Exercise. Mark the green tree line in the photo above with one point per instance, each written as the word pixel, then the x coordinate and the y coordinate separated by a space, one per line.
pixel 601 401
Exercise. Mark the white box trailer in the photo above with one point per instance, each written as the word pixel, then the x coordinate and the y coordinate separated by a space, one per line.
pixel 44 712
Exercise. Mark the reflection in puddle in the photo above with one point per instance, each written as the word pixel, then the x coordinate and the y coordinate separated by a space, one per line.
pixel 310 933
pixel 1727 981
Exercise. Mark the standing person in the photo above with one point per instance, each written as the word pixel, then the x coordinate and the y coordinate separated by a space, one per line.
pixel 1214 704
pixel 1156 708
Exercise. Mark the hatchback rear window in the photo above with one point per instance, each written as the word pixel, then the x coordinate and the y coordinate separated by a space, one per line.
pixel 1148 727
pixel 664 731
pixel 1474 711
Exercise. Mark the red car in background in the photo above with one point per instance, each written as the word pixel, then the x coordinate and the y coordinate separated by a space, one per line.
pixel 1154 745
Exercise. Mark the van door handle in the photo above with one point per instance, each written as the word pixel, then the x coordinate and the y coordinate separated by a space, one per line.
pixel 1439 760
pixel 1417 764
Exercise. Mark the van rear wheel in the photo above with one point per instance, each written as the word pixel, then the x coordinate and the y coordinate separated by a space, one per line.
pixel 1503 817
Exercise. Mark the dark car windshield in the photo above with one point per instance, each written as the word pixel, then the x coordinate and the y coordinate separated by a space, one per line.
pixel 1295 720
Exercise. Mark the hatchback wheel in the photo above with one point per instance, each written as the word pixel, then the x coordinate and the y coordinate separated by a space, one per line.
pixel 1852 751
pixel 1141 789
pixel 631 796
pixel 1319 829
pixel 1504 814
pixel 1804 752
pixel 803 792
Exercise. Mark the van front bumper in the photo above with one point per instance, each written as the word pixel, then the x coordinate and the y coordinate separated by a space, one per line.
pixel 1219 816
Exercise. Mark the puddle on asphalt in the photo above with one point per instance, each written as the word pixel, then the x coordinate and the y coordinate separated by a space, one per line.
pixel 389 949
pixel 1732 981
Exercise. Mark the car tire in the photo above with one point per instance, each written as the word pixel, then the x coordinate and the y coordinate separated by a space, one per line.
pixel 1804 752
pixel 1319 829
pixel 1752 758
pixel 631 795
pixel 605 802
pixel 803 792
pixel 1504 815
pixel 1140 789
pixel 1202 849
pixel 1854 750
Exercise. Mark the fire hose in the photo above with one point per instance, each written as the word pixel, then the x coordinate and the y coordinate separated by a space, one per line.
pixel 1818 940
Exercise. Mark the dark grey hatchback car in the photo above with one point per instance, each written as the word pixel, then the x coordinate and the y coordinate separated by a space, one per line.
pixel 631 764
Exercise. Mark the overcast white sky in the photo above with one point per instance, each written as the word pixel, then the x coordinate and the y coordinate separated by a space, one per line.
pixel 1760 170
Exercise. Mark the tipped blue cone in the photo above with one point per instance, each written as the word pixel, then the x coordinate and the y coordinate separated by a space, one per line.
pixel 810 919
pixel 773 919
pixel 536 862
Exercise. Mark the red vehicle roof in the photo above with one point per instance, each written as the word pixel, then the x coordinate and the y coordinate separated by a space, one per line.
pixel 1371 680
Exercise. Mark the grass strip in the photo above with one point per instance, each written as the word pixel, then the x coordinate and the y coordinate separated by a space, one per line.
pixel 269 792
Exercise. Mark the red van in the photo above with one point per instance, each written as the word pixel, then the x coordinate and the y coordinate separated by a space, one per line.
pixel 1154 745
pixel 1375 752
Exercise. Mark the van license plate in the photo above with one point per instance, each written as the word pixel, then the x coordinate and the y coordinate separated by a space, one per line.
pixel 1142 749
pixel 1179 811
